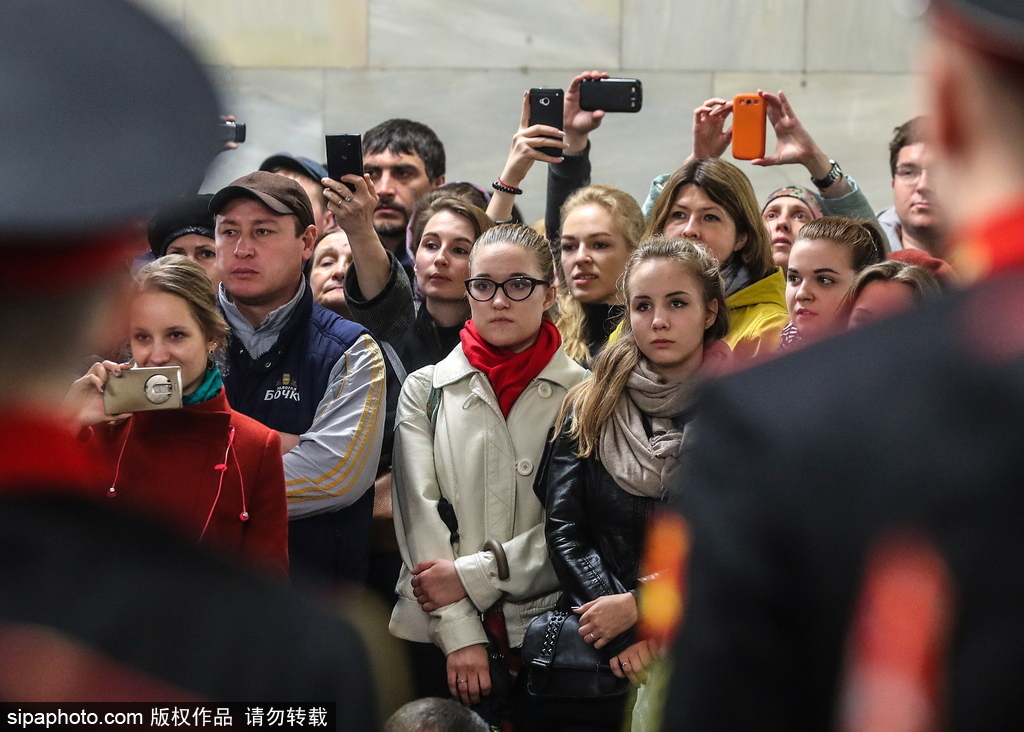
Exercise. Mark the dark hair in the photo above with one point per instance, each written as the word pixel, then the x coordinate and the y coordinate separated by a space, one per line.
pixel 475 216
pixel 864 240
pixel 399 136
pixel 468 192
pixel 910 132
pixel 432 714
pixel 729 187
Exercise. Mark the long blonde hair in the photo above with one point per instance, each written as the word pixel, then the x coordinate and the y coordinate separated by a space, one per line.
pixel 629 220
pixel 591 402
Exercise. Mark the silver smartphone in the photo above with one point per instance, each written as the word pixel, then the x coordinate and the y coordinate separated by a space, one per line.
pixel 143 390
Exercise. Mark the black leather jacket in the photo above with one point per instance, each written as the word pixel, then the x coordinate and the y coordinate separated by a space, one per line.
pixel 595 530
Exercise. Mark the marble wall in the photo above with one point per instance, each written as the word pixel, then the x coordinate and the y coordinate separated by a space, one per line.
pixel 294 70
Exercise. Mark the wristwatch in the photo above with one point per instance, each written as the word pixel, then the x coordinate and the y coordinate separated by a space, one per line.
pixel 834 174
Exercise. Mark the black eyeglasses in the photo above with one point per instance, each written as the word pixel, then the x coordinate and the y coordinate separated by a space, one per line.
pixel 482 289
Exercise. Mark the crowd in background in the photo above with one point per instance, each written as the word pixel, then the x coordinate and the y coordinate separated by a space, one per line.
pixel 476 417
pixel 396 382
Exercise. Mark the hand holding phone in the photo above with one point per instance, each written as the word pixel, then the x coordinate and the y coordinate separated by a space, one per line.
pixel 231 131
pixel 611 95
pixel 344 156
pixel 546 107
pixel 748 126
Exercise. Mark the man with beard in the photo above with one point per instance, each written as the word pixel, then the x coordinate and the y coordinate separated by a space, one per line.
pixel 404 160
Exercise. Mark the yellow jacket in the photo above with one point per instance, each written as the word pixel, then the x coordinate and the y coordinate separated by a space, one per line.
pixel 757 315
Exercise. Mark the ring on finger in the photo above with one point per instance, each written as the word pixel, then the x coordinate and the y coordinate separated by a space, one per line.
pixel 593 637
pixel 346 198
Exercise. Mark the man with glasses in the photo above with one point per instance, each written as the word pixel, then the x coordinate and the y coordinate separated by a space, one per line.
pixel 914 221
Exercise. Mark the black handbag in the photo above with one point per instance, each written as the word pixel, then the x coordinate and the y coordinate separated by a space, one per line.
pixel 561 665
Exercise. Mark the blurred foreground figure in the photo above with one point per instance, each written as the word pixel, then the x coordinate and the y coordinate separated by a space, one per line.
pixel 105 112
pixel 805 467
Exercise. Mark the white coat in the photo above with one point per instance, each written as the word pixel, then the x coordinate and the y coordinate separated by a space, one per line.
pixel 485 466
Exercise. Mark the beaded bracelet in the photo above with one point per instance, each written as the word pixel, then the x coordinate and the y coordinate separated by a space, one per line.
pixel 499 186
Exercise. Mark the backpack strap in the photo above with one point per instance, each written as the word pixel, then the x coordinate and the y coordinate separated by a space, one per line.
pixel 396 363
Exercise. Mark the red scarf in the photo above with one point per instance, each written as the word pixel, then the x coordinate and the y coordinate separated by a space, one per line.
pixel 510 372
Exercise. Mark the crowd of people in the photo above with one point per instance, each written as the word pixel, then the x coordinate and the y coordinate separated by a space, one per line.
pixel 410 363
pixel 394 381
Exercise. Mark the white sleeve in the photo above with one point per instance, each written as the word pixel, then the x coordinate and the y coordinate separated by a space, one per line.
pixel 419 529
pixel 335 462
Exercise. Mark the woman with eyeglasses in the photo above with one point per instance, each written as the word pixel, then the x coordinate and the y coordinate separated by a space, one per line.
pixel 470 435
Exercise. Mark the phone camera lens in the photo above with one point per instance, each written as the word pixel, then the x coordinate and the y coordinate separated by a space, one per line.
pixel 544 101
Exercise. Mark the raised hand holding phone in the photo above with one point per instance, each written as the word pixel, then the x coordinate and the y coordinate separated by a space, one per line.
pixel 532 142
pixel 344 156
pixel 748 126
pixel 578 122
pixel 546 108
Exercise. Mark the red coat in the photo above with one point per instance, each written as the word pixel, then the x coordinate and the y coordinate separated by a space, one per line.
pixel 168 470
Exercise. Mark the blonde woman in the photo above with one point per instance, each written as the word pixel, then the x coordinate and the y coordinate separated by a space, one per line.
pixel 211 473
pixel 601 227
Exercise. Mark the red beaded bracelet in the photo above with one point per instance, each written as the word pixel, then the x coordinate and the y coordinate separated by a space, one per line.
pixel 498 185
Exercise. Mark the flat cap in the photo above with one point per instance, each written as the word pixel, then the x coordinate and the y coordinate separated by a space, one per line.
pixel 104 116
pixel 280 194
pixel 296 164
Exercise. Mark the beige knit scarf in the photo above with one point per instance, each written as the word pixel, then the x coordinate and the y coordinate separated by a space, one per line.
pixel 642 465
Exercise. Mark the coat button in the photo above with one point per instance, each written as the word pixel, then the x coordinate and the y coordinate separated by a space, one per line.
pixel 544 390
pixel 524 467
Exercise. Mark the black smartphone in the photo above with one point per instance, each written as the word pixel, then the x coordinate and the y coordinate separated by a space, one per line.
pixel 546 108
pixel 231 131
pixel 344 156
pixel 611 95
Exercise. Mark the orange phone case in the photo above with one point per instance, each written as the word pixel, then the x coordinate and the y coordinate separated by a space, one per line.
pixel 748 126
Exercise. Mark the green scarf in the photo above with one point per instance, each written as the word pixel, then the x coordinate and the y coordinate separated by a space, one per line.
pixel 208 389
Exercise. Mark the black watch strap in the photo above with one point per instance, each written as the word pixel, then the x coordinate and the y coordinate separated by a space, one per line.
pixel 834 174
